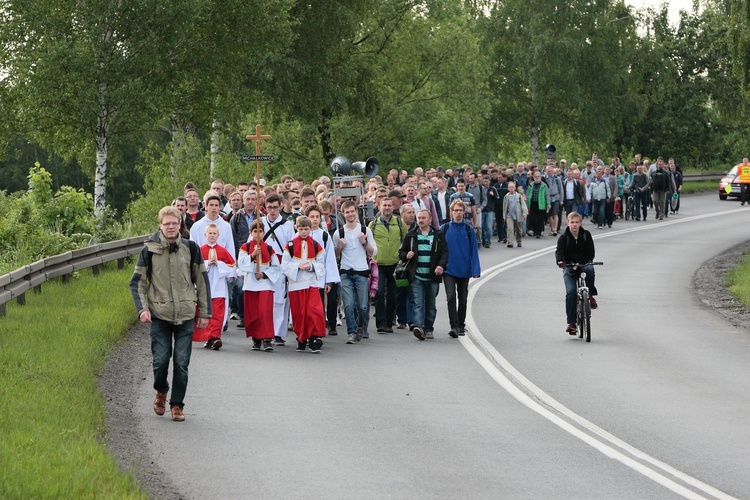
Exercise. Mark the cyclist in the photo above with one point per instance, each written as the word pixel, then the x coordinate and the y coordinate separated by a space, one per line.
pixel 575 246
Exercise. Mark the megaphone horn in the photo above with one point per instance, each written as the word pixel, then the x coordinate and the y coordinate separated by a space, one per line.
pixel 341 166
pixel 369 168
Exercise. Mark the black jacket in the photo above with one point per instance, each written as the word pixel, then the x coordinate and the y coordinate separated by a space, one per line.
pixel 572 251
pixel 438 253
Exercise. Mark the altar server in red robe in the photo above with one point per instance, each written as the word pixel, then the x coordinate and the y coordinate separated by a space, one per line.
pixel 220 266
pixel 304 265
pixel 258 287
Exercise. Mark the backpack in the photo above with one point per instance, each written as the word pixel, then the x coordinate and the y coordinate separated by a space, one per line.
pixel 194 250
pixel 444 229
pixel 399 222
pixel 341 231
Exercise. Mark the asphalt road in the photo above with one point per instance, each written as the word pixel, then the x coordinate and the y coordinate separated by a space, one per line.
pixel 656 406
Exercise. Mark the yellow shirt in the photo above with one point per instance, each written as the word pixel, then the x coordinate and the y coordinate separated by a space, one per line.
pixel 744 171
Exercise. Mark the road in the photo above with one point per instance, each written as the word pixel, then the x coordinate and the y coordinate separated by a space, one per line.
pixel 656 406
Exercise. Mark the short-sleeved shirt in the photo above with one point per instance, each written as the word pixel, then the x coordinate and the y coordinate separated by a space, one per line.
pixel 469 201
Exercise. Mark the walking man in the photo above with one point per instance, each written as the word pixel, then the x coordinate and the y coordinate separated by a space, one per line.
pixel 169 281
pixel 463 263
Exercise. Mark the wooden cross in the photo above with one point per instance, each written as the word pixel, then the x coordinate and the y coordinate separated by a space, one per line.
pixel 258 138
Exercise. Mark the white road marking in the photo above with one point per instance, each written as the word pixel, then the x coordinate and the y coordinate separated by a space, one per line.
pixel 523 389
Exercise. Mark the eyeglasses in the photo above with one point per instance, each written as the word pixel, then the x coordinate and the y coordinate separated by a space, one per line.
pixel 169 224
pixel 272 208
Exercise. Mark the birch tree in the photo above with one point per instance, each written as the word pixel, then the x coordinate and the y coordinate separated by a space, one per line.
pixel 84 72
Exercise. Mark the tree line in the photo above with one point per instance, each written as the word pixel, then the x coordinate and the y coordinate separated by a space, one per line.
pixel 122 97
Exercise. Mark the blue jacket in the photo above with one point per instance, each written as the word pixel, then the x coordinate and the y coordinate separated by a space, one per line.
pixel 463 252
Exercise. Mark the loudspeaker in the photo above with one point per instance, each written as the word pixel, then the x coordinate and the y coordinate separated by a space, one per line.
pixel 341 166
pixel 369 168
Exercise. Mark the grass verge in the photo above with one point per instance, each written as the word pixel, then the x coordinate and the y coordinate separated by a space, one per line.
pixel 738 281
pixel 51 412
pixel 700 187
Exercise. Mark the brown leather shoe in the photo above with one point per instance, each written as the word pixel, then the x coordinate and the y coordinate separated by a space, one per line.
pixel 160 403
pixel 177 414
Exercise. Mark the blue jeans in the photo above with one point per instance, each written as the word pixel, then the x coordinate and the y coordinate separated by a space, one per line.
pixel 236 297
pixel 354 298
pixel 404 306
pixel 488 220
pixel 598 212
pixel 571 291
pixel 162 334
pixel 571 206
pixel 423 295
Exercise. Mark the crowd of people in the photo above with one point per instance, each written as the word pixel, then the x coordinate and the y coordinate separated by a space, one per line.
pixel 299 257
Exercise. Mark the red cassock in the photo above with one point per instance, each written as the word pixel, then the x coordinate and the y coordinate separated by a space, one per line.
pixel 215 323
pixel 218 282
pixel 307 313
pixel 258 295
pixel 259 314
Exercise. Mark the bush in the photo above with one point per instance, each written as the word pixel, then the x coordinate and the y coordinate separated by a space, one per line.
pixel 39 223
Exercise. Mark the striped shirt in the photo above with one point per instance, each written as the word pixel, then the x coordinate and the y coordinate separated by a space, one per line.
pixel 424 252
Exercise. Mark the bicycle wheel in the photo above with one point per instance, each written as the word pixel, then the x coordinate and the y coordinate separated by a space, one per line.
pixel 587 320
pixel 583 298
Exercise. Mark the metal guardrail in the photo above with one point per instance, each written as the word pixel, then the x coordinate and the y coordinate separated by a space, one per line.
pixel 15 284
pixel 704 176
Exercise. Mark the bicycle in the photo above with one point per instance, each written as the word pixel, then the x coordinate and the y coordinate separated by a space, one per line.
pixel 630 212
pixel 583 305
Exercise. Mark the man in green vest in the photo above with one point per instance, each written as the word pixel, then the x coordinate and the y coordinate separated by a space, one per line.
pixel 388 230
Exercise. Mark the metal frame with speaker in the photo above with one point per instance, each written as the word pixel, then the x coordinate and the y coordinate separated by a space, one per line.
pixel 345 172
pixel 551 151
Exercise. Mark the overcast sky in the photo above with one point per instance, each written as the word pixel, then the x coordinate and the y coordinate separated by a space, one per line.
pixel 674 6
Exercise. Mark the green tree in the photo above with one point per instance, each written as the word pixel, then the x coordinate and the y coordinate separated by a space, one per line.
pixel 559 64
pixel 84 72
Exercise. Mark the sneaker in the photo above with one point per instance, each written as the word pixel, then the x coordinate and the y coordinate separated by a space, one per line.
pixel 216 345
pixel 267 345
pixel 462 331
pixel 510 245
pixel 209 344
pixel 177 414
pixel 279 341
pixel 388 329
pixel 401 326
pixel 301 346
pixel 599 226
pixel 571 329
pixel 241 325
pixel 332 332
pixel 256 344
pixel 338 321
pixel 359 334
pixel 593 303
pixel 352 339
pixel 234 316
pixel 315 344
pixel 429 336
pixel 519 244
pixel 365 334
pixel 381 329
pixel 453 333
pixel 418 332
pixel 160 403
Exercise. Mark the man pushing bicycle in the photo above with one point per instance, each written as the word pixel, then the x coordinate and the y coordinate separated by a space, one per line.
pixel 575 246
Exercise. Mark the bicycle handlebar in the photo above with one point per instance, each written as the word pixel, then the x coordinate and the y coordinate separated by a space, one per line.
pixel 587 264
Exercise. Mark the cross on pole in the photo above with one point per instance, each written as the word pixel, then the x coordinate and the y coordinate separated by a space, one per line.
pixel 258 138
